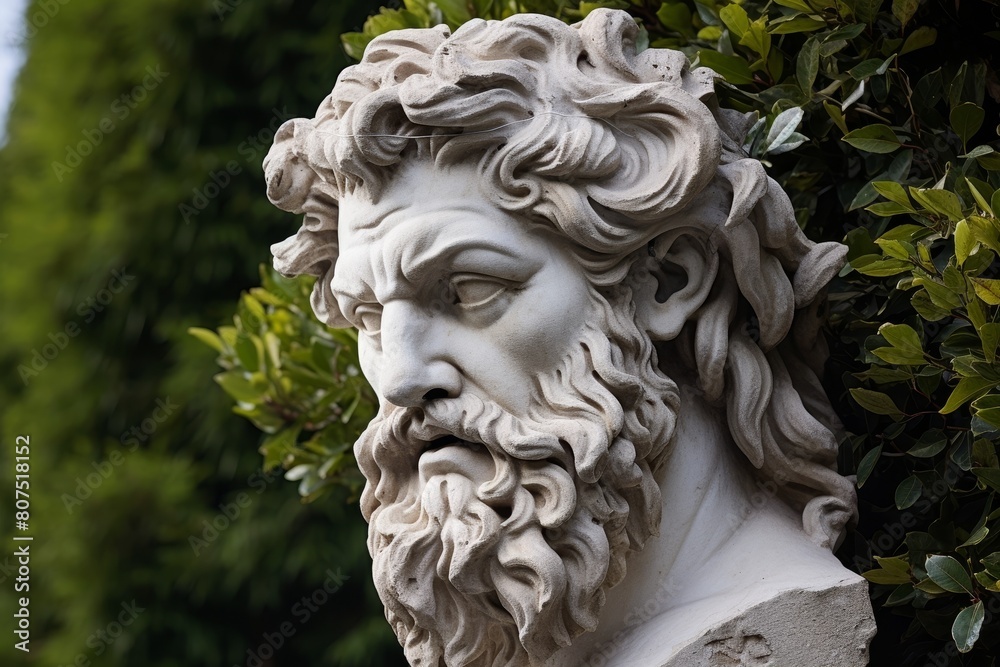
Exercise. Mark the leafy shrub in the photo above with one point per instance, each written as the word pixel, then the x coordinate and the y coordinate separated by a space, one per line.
pixel 873 117
pixel 297 380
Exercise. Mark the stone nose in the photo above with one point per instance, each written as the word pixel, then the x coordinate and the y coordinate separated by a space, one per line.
pixel 416 367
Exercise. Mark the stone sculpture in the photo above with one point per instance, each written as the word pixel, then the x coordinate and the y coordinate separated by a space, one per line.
pixel 592 324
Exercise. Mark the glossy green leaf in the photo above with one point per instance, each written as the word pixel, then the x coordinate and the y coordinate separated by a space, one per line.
pixel 707 13
pixel 990 335
pixel 355 43
pixel 735 18
pixel 896 171
pixel 881 576
pixel 930 444
pixel 908 492
pixel 894 192
pixel 237 385
pixel 987 289
pixel 209 338
pixel 899 357
pixel 989 161
pixel 967 626
pixel 807 64
pixel 941 295
pixel 710 33
pixel 967 389
pixel 903 594
pixel 926 308
pixel 278 447
pixel 248 348
pixel 975 538
pixel 800 5
pixel 783 128
pixel 756 37
pixel 992 563
pixel 904 10
pixel 456 12
pixel 981 192
pixel 836 115
pixel 928 586
pixel 965 242
pixel 733 69
pixel 920 38
pixel 876 402
pixel 988 581
pixel 875 138
pixel 988 476
pixel 866 10
pixel 985 230
pixel 903 337
pixel 948 573
pixel 867 465
pixel 887 209
pixel 966 119
pixel 941 202
pixel 844 32
pixel 796 24
pixel 677 17
pixel 872 265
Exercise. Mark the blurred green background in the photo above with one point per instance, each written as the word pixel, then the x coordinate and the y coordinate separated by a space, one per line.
pixel 123 112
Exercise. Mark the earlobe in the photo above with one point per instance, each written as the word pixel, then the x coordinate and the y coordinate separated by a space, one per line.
pixel 676 281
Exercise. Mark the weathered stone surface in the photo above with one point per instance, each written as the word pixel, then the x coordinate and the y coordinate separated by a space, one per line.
pixel 592 323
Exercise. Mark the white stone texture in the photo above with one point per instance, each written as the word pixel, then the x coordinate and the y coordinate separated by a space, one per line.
pixel 593 326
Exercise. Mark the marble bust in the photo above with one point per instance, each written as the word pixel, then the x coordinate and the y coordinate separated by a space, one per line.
pixel 592 323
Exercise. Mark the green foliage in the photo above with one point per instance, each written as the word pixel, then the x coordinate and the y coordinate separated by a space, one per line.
pixel 933 363
pixel 879 120
pixel 453 13
pixel 297 381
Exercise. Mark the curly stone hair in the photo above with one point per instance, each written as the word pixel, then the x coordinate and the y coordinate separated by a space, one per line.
pixel 629 156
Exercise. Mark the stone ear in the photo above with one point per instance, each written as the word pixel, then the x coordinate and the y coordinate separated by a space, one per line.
pixel 673 283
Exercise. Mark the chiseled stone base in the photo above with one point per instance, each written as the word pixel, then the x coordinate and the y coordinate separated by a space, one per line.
pixel 796 628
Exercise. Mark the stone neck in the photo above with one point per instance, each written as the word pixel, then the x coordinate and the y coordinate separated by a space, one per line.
pixel 708 494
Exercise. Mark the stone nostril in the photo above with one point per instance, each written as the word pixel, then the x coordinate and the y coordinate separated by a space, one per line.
pixel 435 394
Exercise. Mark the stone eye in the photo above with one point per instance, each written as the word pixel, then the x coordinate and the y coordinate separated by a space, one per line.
pixel 470 292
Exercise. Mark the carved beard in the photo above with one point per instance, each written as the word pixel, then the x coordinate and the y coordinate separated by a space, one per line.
pixel 494 537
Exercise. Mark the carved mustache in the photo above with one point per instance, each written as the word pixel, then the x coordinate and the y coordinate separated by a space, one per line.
pixel 468 420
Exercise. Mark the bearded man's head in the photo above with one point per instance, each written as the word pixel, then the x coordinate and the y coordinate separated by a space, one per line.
pixel 537 231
